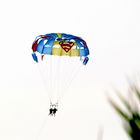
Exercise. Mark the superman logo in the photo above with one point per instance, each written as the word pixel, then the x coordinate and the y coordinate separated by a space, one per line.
pixel 66 46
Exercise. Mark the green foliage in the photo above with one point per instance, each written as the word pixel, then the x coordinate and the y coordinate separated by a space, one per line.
pixel 131 116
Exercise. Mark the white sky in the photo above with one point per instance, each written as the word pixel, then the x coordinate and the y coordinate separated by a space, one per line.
pixel 112 31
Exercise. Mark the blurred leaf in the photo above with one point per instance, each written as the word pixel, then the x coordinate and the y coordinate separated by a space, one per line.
pixel 132 120
pixel 137 92
pixel 125 102
pixel 124 115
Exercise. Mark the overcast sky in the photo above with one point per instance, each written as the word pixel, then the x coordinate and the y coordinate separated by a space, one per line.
pixel 112 32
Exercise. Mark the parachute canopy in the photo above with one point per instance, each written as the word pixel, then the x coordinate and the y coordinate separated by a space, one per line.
pixel 57 56
pixel 60 44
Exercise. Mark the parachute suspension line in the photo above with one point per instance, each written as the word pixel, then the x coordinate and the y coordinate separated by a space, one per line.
pixel 51 67
pixel 44 78
pixel 63 74
pixel 69 76
pixel 58 77
pixel 48 70
pixel 51 79
pixel 67 70
pixel 74 74
pixel 60 81
pixel 68 84
pixel 54 77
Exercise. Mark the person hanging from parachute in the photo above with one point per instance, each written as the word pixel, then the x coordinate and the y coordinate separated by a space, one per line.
pixel 53 109
pixel 58 44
